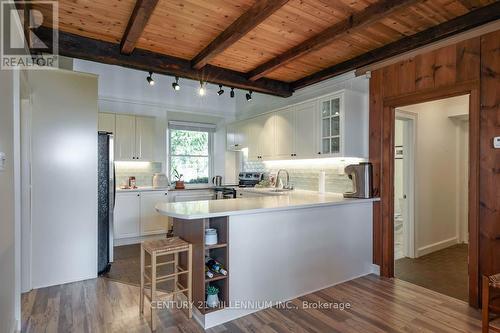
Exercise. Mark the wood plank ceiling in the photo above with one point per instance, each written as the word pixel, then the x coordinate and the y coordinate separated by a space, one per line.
pixel 271 46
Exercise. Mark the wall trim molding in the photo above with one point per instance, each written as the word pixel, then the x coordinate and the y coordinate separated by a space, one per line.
pixel 422 251
pixel 164 106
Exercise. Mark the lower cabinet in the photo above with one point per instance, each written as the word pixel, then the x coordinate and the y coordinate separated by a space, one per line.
pixel 135 214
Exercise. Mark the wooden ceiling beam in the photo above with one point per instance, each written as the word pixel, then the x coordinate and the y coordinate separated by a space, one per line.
pixel 254 16
pixel 447 29
pixel 471 4
pixel 80 47
pixel 354 22
pixel 136 24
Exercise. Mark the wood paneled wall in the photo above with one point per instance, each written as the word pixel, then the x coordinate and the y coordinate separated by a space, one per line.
pixel 469 67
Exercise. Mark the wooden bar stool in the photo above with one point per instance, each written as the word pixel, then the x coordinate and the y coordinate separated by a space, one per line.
pixel 491 303
pixel 163 247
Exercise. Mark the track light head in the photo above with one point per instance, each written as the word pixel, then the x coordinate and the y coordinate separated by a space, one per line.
pixel 221 91
pixel 176 85
pixel 150 79
pixel 202 91
pixel 249 96
pixel 231 93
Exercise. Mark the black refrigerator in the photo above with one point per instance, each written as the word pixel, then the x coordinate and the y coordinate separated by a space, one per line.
pixel 106 201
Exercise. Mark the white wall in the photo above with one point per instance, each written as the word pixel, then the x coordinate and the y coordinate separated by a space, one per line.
pixel 437 174
pixel 10 194
pixel 64 177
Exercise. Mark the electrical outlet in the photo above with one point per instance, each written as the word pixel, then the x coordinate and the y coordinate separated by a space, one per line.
pixel 2 161
pixel 496 142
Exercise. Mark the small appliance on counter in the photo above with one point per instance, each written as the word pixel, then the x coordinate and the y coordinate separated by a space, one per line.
pixel 217 181
pixel 131 182
pixel 361 175
pixel 224 193
pixel 160 181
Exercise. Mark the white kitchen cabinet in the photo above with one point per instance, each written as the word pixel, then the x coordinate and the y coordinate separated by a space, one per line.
pixel 151 221
pixel 191 195
pixel 305 133
pixel 285 133
pixel 144 138
pixel 127 215
pixel 261 137
pixel 343 125
pixel 106 122
pixel 134 138
pixel 125 138
pixel 236 136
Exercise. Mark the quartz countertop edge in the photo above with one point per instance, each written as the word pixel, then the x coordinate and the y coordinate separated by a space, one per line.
pixel 245 206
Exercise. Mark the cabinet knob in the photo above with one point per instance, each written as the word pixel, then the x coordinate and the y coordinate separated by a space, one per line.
pixel 319 153
pixel 166 193
pixel 138 195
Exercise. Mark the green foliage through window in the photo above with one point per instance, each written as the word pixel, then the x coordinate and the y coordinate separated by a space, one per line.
pixel 189 154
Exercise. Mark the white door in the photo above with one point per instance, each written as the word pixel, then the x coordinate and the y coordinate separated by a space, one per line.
pixel 144 138
pixel 125 138
pixel 127 215
pixel 305 134
pixel 285 133
pixel 106 122
pixel 151 221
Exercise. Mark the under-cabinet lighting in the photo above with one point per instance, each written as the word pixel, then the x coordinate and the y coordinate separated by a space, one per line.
pixel 132 165
pixel 315 162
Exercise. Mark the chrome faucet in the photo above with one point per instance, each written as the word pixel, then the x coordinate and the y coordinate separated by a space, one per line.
pixel 285 186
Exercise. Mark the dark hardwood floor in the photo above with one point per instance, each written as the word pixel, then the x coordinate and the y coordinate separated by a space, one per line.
pixel 377 305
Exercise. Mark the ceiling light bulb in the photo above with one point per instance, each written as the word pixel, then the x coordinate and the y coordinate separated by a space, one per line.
pixel 249 96
pixel 176 85
pixel 221 91
pixel 202 91
pixel 232 93
pixel 150 79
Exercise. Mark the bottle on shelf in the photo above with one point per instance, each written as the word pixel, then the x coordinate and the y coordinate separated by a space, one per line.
pixel 214 266
pixel 208 273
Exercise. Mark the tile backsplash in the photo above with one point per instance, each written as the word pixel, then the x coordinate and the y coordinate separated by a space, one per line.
pixel 142 171
pixel 305 176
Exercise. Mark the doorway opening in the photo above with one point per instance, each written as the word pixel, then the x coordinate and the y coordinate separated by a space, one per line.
pixel 431 185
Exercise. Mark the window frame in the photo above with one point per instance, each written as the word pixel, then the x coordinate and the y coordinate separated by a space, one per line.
pixel 211 135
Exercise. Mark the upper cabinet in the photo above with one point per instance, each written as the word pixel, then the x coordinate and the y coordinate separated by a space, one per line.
pixel 236 136
pixel 134 138
pixel 335 125
pixel 106 122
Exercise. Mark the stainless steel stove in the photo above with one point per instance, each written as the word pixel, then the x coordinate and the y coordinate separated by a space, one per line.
pixel 250 179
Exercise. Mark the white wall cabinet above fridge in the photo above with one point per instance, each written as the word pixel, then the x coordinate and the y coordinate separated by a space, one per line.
pixel 134 135
pixel 335 125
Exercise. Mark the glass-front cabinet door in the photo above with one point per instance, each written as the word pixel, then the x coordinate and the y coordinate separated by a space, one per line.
pixel 330 109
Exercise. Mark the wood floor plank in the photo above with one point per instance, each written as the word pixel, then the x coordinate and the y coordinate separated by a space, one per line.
pixel 378 305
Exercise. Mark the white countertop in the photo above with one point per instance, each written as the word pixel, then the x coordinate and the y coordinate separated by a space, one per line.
pixel 297 199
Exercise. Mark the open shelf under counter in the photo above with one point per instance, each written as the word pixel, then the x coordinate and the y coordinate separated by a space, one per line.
pixel 193 231
pixel 215 246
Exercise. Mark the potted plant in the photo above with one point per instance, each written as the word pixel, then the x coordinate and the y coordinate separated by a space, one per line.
pixel 179 183
pixel 212 296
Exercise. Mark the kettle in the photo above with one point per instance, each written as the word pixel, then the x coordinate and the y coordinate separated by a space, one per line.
pixel 217 181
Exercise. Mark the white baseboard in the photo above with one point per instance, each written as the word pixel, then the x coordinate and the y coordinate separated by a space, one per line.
pixel 422 251
pixel 136 240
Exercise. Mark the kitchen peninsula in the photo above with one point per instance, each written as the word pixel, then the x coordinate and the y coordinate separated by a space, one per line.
pixel 275 247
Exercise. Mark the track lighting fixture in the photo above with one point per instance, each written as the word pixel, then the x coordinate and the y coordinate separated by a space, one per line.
pixel 249 96
pixel 202 91
pixel 150 79
pixel 231 93
pixel 176 85
pixel 221 91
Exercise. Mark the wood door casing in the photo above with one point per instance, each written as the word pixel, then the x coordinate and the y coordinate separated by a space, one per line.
pixel 468 67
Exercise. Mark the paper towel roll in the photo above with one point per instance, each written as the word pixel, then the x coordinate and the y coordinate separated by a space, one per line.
pixel 321 181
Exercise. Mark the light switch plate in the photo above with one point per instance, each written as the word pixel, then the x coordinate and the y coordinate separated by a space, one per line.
pixel 2 161
pixel 496 142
